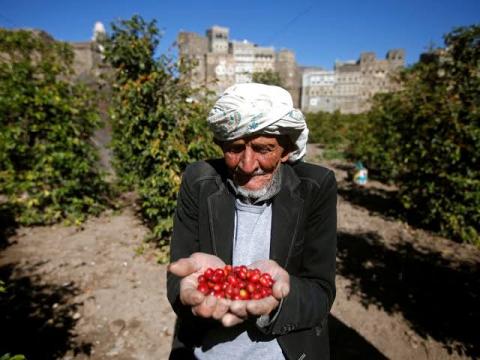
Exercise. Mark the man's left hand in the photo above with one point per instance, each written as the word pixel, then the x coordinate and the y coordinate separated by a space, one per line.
pixel 243 309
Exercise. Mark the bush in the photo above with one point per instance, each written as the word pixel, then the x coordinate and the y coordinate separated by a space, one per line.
pixel 332 131
pixel 427 137
pixel 158 125
pixel 10 357
pixel 48 167
pixel 267 77
pixel 374 138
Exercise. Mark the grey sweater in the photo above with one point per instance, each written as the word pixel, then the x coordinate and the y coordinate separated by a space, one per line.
pixel 251 243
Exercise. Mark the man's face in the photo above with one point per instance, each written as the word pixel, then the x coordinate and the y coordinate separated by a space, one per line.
pixel 253 160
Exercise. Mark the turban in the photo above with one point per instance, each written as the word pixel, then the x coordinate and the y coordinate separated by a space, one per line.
pixel 256 109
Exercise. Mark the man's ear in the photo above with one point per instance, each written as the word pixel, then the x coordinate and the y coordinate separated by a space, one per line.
pixel 285 155
pixel 287 145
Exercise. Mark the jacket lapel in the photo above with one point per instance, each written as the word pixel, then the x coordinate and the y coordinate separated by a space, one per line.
pixel 286 213
pixel 221 217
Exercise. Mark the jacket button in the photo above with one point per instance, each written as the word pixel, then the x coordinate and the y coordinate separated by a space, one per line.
pixel 288 327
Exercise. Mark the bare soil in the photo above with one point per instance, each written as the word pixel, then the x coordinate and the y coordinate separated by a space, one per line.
pixel 97 292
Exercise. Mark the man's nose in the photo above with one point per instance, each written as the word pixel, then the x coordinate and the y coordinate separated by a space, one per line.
pixel 248 162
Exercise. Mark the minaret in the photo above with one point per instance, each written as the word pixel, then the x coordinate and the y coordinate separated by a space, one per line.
pixel 98 31
pixel 99 34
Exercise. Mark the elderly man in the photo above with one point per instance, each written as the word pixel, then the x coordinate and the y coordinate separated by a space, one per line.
pixel 259 206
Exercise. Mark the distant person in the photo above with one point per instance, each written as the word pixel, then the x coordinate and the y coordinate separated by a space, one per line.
pixel 259 205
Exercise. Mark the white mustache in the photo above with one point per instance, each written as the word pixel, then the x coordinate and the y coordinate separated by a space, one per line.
pixel 257 172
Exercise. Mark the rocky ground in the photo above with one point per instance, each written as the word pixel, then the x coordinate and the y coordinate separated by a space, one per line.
pixel 97 292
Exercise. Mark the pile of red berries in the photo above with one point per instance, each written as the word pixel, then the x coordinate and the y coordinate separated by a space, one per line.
pixel 236 283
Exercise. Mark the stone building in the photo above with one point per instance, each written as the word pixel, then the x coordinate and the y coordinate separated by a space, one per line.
pixel 349 87
pixel 290 74
pixel 264 59
pixel 88 62
pixel 196 47
pixel 214 65
pixel 244 57
pixel 221 62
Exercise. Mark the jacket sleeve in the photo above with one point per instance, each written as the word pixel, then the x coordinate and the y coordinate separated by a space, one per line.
pixel 184 240
pixel 312 285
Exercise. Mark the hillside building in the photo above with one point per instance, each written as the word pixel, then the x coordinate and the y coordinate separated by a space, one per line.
pixel 221 62
pixel 350 86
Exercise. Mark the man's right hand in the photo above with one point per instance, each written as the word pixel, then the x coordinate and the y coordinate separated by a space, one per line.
pixel 189 269
pixel 205 306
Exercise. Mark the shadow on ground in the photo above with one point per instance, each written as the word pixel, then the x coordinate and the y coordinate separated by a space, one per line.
pixel 378 201
pixel 36 318
pixel 440 299
pixel 8 225
pixel 346 343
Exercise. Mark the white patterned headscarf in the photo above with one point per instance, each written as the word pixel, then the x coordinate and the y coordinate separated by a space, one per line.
pixel 248 109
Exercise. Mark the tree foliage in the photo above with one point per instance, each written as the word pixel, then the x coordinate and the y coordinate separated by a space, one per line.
pixel 427 137
pixel 158 125
pixel 267 77
pixel 332 130
pixel 12 357
pixel 48 167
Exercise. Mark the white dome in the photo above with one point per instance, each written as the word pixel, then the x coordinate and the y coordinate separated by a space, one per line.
pixel 98 29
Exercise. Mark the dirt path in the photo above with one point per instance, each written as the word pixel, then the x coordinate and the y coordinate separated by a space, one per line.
pixel 85 293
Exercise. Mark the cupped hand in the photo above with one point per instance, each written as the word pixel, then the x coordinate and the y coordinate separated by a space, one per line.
pixel 204 306
pixel 189 269
pixel 243 309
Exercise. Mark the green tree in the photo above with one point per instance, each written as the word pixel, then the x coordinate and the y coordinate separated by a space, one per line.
pixel 159 124
pixel 427 137
pixel 48 167
pixel 12 357
pixel 267 77
pixel 332 130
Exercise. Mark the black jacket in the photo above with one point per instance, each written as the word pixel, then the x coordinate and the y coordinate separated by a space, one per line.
pixel 303 241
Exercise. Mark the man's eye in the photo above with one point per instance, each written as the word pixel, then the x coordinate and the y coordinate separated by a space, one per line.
pixel 262 150
pixel 235 149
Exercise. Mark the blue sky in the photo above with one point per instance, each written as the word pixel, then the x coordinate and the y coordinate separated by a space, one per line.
pixel 319 32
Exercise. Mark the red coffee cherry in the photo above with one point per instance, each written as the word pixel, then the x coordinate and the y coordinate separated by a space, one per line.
pixel 236 283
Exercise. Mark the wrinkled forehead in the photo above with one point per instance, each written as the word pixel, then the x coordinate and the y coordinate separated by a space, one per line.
pixel 282 140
